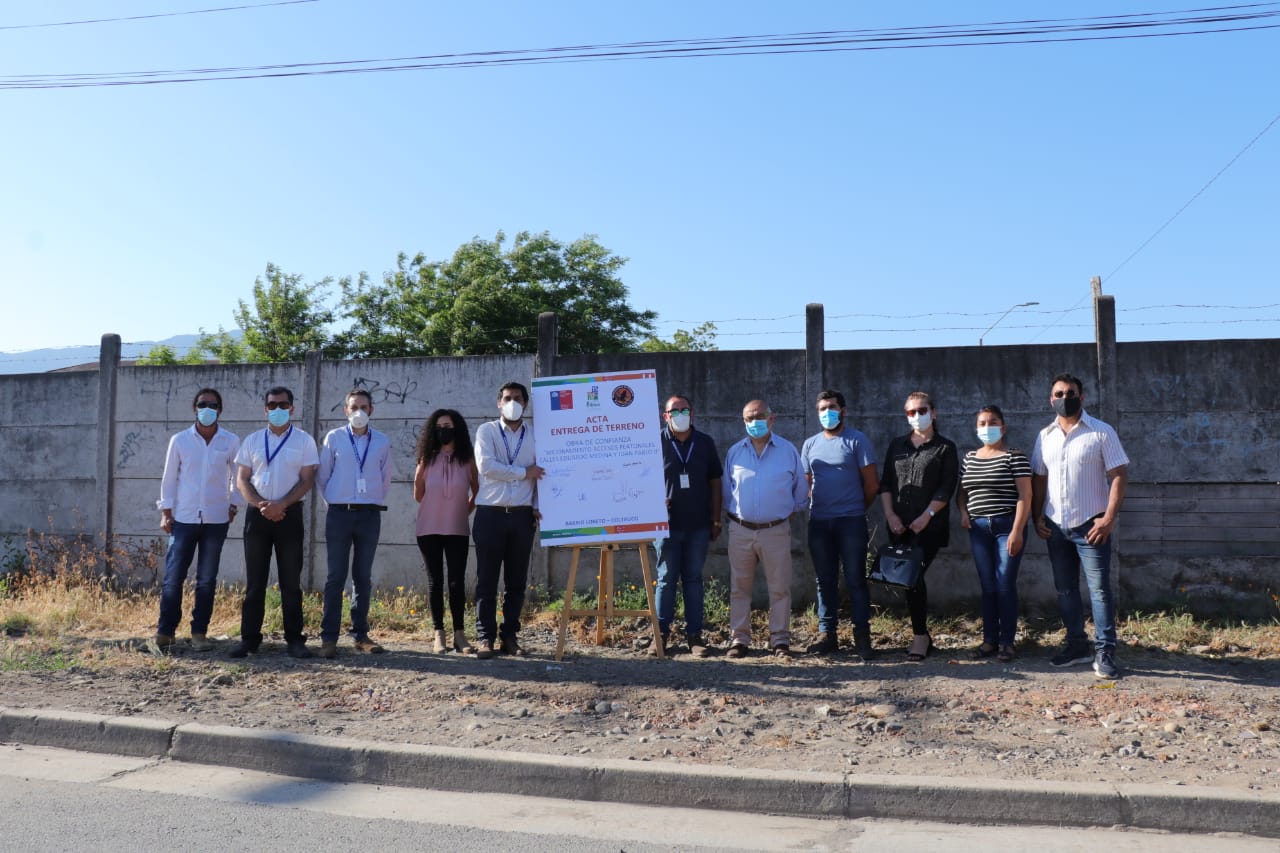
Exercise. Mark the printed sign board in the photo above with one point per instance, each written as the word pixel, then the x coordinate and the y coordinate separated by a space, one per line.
pixel 599 439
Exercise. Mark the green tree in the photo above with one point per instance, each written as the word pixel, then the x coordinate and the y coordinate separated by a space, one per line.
pixel 287 320
pixel 222 346
pixel 487 297
pixel 701 338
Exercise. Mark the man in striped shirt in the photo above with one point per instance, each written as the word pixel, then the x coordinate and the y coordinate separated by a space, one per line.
pixel 1080 475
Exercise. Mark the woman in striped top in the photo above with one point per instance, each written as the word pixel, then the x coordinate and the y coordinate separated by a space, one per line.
pixel 995 502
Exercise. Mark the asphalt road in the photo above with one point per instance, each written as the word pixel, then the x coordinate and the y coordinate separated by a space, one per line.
pixel 56 800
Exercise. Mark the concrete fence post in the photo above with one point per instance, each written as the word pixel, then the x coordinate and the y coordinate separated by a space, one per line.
pixel 310 393
pixel 1106 403
pixel 108 382
pixel 548 344
pixel 815 350
pixel 1105 396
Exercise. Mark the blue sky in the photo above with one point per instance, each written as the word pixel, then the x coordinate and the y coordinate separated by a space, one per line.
pixel 937 186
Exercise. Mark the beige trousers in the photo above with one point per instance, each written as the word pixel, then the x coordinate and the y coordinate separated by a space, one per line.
pixel 747 549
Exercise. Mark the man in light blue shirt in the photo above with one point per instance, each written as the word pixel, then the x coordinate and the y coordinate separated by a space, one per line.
pixel 841 468
pixel 764 484
pixel 354 477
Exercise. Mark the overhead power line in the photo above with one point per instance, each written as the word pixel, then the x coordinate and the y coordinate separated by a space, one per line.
pixel 154 15
pixel 1218 19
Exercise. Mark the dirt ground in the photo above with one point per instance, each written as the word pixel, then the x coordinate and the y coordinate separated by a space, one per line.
pixel 1174 717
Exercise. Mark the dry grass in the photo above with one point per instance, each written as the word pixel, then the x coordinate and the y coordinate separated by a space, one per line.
pixel 56 592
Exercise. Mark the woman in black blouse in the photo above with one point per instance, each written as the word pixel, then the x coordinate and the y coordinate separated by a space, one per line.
pixel 919 477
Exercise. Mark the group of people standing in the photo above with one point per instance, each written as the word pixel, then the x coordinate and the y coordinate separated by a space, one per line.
pixel 1070 488
pixel 210 474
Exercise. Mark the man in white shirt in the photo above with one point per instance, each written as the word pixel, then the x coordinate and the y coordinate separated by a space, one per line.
pixel 505 520
pixel 277 467
pixel 197 502
pixel 355 475
pixel 1080 473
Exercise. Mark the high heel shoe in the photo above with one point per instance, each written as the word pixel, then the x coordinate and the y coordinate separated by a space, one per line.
pixel 914 655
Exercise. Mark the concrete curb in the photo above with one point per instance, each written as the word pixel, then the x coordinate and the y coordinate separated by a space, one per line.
pixel 1177 809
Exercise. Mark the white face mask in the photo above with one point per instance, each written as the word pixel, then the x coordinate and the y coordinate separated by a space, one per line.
pixel 359 419
pixel 680 423
pixel 920 422
pixel 512 410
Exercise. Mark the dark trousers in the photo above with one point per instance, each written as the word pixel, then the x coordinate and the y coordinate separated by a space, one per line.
pixel 918 597
pixel 503 542
pixel 436 551
pixel 260 538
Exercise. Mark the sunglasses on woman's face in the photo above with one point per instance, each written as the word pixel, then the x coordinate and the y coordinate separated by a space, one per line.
pixel 206 404
pixel 923 410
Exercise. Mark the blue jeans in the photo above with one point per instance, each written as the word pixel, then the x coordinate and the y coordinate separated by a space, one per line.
pixel 681 557
pixel 183 542
pixel 1069 553
pixel 344 531
pixel 998 575
pixel 836 543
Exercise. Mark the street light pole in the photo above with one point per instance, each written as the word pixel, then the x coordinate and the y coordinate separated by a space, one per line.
pixel 1002 316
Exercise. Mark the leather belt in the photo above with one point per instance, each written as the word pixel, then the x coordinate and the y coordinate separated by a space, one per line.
pixel 505 509
pixel 358 507
pixel 751 525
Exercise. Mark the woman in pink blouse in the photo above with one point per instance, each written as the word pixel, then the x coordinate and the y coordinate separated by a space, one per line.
pixel 445 485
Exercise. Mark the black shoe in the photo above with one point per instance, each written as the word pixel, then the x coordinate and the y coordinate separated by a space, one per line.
pixel 782 650
pixel 862 643
pixel 243 649
pixel 827 644
pixel 298 649
pixel 509 646
pixel 1073 654
pixel 736 650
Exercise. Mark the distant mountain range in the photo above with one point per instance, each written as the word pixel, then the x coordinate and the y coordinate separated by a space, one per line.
pixel 56 358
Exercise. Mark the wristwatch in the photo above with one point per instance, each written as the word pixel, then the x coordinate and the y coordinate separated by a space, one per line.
pixel 930 511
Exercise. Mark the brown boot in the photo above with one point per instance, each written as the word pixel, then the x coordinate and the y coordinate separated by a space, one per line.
pixel 439 646
pixel 201 643
pixel 460 644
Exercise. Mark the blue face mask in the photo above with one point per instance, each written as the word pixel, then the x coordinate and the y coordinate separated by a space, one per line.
pixel 758 428
pixel 278 417
pixel 829 418
pixel 206 417
pixel 990 434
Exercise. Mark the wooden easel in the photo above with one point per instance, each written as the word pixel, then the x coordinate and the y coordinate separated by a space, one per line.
pixel 604 608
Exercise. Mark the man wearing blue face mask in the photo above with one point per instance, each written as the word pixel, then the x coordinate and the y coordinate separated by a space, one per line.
pixel 841 469
pixel 764 485
pixel 277 469
pixel 692 470
pixel 198 501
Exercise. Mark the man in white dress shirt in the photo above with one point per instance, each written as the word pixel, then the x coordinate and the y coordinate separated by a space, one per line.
pixel 1079 476
pixel 198 501
pixel 505 520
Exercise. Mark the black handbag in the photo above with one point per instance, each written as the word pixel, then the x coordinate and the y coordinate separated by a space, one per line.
pixel 898 565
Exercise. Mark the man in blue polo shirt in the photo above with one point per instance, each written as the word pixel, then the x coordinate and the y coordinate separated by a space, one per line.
pixel 841 469
pixel 355 474
pixel 692 470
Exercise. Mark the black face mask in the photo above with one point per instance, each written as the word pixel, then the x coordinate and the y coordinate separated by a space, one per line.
pixel 1066 407
pixel 444 434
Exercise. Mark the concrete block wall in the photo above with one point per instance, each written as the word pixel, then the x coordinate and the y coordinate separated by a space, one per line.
pixel 1195 416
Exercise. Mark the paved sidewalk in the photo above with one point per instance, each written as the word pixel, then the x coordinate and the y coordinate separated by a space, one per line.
pixel 1173 808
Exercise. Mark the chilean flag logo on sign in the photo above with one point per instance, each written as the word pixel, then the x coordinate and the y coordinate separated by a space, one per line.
pixel 561 400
